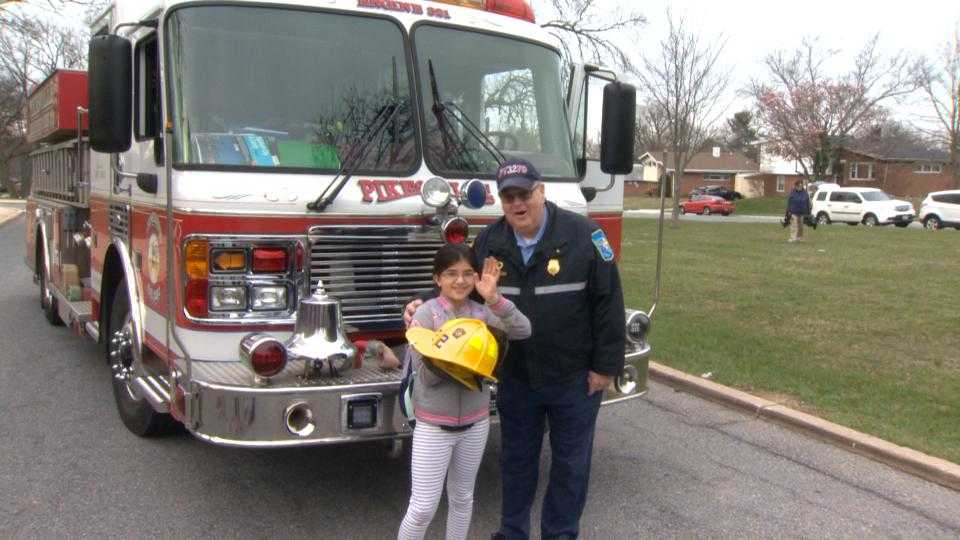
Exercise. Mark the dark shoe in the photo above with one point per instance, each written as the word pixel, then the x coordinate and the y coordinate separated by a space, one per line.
pixel 497 536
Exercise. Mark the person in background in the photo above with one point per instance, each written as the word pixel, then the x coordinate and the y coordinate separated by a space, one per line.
pixel 798 206
pixel 559 268
pixel 450 434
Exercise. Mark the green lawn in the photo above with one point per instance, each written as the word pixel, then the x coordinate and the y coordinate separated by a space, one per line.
pixel 762 206
pixel 859 326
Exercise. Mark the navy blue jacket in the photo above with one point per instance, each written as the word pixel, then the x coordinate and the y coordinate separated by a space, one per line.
pixel 571 295
pixel 799 204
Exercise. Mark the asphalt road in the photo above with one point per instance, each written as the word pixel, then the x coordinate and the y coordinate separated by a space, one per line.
pixel 665 465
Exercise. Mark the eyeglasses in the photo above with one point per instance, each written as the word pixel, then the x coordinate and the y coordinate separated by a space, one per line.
pixel 521 195
pixel 453 274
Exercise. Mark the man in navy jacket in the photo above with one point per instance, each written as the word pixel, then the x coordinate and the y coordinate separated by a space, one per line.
pixel 798 206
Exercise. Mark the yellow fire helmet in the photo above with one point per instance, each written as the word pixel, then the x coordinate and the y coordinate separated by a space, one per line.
pixel 463 348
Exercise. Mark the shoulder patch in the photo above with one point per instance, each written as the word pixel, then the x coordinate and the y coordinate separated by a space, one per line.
pixel 603 246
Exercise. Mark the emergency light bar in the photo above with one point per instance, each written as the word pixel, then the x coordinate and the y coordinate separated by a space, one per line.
pixel 519 9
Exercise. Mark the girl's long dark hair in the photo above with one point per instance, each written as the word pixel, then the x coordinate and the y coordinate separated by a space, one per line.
pixel 449 254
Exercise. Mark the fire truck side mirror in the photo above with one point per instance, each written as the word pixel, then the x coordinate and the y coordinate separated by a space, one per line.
pixel 617 133
pixel 147 182
pixel 111 94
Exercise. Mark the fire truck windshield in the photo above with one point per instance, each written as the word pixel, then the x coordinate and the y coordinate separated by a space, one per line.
pixel 509 88
pixel 255 88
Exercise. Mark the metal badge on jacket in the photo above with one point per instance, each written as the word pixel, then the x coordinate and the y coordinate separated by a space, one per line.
pixel 553 267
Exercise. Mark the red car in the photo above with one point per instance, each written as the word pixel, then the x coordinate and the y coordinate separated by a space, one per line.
pixel 706 205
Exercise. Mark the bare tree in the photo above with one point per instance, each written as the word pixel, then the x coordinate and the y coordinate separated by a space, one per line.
pixel 684 80
pixel 31 48
pixel 653 128
pixel 807 114
pixel 586 29
pixel 940 82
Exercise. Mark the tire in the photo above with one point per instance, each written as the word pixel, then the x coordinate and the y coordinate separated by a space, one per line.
pixel 706 210
pixel 870 220
pixel 136 413
pixel 823 218
pixel 48 301
pixel 933 223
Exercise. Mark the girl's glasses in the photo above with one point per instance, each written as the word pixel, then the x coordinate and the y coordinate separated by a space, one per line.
pixel 453 274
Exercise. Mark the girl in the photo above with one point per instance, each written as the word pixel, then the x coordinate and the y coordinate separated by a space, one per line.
pixel 453 422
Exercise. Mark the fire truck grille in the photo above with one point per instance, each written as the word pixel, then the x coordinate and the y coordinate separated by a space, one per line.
pixel 373 270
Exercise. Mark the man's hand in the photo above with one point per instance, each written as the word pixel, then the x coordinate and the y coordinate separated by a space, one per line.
pixel 409 310
pixel 597 382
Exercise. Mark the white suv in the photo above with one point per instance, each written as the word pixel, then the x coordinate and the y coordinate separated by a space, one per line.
pixel 941 209
pixel 869 206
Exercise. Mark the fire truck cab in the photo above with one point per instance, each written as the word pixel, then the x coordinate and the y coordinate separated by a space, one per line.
pixel 265 183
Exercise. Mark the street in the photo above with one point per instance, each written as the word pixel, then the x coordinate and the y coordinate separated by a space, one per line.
pixel 665 465
pixel 733 218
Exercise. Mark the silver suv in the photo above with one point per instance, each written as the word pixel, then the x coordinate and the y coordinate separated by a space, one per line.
pixel 941 209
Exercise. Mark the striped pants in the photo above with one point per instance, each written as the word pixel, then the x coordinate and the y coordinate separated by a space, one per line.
pixel 438 453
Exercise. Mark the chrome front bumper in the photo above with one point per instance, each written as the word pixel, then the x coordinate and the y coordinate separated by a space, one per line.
pixel 237 415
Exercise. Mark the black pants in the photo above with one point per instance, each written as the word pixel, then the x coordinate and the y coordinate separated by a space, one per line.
pixel 572 415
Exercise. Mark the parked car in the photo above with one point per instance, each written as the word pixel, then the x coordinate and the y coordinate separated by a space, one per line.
pixel 941 209
pixel 869 206
pixel 718 191
pixel 706 205
pixel 817 185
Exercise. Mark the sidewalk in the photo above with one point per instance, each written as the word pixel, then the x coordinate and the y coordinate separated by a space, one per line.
pixel 908 460
pixel 8 213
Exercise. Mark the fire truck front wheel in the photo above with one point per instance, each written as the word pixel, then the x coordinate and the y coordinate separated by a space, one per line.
pixel 48 302
pixel 136 412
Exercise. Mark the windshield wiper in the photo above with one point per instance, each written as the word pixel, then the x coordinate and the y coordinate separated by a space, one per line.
pixel 357 154
pixel 355 157
pixel 441 111
pixel 472 129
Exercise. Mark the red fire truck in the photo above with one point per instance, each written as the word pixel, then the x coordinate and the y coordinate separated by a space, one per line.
pixel 265 183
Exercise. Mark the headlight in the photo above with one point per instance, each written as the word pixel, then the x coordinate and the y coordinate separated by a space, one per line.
pixel 638 324
pixel 435 192
pixel 228 298
pixel 269 298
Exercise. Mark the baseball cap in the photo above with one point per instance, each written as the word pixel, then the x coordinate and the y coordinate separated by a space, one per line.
pixel 518 173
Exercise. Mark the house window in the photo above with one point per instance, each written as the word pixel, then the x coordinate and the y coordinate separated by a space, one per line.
pixel 717 177
pixel 781 183
pixel 929 168
pixel 861 171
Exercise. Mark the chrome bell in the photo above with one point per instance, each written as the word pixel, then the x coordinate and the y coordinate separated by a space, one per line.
pixel 319 339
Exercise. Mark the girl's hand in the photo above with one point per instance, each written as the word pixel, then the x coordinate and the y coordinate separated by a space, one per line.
pixel 487 283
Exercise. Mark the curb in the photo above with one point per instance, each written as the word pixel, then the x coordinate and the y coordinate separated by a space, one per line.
pixel 930 468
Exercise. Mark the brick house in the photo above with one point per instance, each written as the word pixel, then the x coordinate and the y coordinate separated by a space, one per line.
pixel 902 172
pixel 714 167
